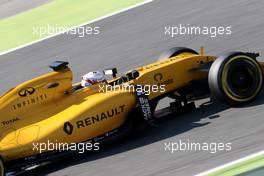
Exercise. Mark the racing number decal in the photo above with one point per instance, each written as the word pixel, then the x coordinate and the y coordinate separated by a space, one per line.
pixel 26 91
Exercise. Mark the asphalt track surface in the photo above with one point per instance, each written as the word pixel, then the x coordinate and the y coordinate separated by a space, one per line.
pixel 137 37
pixel 12 7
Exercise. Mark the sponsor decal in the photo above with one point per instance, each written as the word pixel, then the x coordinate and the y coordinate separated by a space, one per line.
pixel 9 122
pixel 69 127
pixel 153 65
pixel 30 101
pixel 100 117
pixel 26 91
pixel 144 106
pixel 158 77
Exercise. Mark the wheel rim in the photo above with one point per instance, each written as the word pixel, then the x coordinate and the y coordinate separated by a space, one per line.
pixel 242 78
pixel 242 82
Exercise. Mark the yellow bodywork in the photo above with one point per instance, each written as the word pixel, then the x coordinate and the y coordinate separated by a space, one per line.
pixel 37 110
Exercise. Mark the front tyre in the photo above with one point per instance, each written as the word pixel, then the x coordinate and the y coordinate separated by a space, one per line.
pixel 235 78
pixel 2 167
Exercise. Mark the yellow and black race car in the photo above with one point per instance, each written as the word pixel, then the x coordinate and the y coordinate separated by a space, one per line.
pixel 51 109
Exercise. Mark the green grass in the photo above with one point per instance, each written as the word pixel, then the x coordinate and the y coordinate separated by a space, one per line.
pixel 240 168
pixel 18 30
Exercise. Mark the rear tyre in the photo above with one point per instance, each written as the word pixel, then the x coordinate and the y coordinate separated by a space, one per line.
pixel 2 167
pixel 235 78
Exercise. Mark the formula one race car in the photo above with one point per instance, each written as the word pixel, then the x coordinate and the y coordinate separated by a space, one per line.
pixel 51 109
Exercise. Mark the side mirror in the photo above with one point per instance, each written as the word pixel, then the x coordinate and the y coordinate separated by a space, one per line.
pixel 111 71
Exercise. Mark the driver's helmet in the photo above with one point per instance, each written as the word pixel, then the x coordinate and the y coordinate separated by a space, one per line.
pixel 92 78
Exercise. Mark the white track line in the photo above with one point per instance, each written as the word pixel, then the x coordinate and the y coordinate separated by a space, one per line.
pixel 232 163
pixel 92 21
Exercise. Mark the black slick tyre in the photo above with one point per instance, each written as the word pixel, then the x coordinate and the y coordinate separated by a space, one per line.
pixel 235 78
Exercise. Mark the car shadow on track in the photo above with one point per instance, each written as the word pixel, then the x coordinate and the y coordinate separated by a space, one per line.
pixel 173 125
